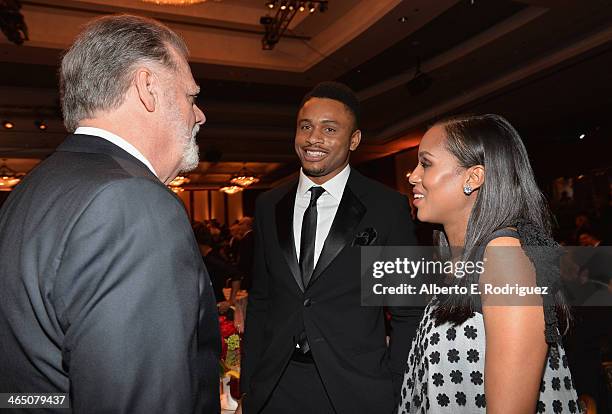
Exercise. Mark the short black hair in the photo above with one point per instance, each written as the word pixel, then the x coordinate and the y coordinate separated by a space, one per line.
pixel 338 92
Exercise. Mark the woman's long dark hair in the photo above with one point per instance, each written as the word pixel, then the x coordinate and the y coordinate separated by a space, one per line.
pixel 508 196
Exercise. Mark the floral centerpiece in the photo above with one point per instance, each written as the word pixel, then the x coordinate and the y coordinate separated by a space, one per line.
pixel 230 360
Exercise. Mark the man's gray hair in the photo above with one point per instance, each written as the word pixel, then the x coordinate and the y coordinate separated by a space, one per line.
pixel 97 70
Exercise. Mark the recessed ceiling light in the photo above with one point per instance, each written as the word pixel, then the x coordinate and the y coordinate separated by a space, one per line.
pixel 8 124
pixel 582 136
pixel 402 19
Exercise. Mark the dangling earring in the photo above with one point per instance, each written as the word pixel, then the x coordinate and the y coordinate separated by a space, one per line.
pixel 467 189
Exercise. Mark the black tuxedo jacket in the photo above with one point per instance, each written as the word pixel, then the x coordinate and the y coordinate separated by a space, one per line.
pixel 103 292
pixel 347 339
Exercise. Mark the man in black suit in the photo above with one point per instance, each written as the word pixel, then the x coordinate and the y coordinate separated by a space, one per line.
pixel 103 292
pixel 309 346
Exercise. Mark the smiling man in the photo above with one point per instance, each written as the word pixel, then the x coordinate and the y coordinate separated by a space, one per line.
pixel 309 344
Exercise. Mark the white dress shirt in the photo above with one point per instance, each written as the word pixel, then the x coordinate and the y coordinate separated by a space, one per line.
pixel 327 206
pixel 118 141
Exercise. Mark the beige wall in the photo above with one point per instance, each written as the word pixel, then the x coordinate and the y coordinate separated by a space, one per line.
pixel 234 207
pixel 197 203
pixel 200 205
pixel 218 205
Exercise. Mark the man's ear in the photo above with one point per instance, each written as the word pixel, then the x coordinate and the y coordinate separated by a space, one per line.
pixel 476 176
pixel 146 87
pixel 355 140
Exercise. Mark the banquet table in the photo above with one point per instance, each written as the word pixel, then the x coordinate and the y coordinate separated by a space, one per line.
pixel 239 317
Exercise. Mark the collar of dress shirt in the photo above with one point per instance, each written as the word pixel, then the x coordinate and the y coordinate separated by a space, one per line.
pixel 335 186
pixel 118 141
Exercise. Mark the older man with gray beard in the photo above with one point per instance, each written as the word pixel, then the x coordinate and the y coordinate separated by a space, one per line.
pixel 103 293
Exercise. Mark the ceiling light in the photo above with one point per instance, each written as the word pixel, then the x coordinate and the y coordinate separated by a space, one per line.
pixel 176 184
pixel 41 125
pixel 179 181
pixel 8 124
pixel 8 177
pixel 275 27
pixel 582 136
pixel 244 178
pixel 174 2
pixel 244 181
pixel 231 189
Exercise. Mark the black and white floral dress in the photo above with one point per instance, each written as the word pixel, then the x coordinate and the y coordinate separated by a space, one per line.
pixel 445 371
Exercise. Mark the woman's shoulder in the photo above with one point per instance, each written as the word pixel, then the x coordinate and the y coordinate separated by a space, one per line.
pixel 507 236
pixel 506 260
pixel 502 241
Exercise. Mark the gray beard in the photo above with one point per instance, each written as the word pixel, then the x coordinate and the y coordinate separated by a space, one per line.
pixel 190 156
pixel 191 152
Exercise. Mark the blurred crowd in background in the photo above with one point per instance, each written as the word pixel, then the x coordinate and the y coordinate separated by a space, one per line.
pixel 228 254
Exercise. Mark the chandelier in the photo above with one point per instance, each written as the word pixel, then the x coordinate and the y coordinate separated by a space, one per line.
pixel 231 189
pixel 244 178
pixel 8 177
pixel 175 2
pixel 176 184
pixel 179 181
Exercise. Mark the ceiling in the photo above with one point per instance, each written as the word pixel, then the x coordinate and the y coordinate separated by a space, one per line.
pixel 544 64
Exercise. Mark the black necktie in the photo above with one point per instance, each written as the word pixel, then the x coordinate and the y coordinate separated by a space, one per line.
pixel 309 232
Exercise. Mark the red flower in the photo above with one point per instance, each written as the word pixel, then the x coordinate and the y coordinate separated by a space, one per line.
pixel 227 328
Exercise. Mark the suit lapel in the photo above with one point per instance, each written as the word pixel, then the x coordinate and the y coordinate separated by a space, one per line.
pixel 349 214
pixel 284 228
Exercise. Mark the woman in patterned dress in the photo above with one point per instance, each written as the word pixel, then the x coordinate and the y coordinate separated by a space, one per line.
pixel 474 178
